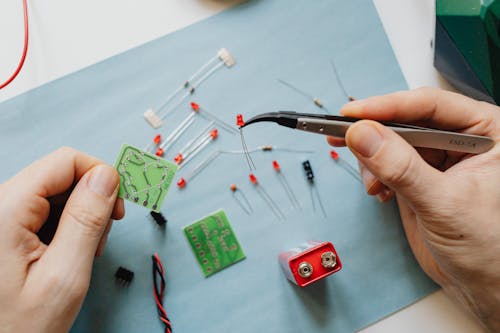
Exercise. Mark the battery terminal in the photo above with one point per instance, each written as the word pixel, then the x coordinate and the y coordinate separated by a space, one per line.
pixel 328 259
pixel 305 269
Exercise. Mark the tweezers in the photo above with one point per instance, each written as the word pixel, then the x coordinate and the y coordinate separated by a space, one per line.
pixel 415 135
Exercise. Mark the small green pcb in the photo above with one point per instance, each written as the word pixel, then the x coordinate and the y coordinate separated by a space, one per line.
pixel 144 177
pixel 214 243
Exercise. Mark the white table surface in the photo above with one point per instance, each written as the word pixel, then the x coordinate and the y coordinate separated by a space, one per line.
pixel 66 36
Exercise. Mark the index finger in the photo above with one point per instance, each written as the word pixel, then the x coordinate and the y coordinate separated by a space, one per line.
pixel 55 173
pixel 430 107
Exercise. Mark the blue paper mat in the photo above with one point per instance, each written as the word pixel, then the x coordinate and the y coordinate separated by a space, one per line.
pixel 99 108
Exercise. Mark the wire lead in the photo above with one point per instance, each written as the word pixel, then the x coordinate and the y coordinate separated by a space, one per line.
pixel 345 165
pixel 243 202
pixel 266 197
pixel 286 186
pixel 314 190
pixel 240 123
pixel 315 100
pixel 339 82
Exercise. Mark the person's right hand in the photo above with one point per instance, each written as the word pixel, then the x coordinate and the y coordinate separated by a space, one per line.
pixel 449 202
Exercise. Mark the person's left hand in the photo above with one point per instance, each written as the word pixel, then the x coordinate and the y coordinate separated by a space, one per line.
pixel 43 286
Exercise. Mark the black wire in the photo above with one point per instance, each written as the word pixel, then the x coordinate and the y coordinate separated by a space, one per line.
pixel 159 290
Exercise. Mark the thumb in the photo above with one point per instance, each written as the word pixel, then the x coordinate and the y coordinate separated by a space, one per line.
pixel 393 161
pixel 84 221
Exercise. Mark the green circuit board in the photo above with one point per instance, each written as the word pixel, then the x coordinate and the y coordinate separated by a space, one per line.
pixel 144 177
pixel 214 243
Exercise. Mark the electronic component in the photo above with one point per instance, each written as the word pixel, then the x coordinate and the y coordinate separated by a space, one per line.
pixel 159 291
pixel 144 177
pixel 339 82
pixel 223 58
pixel 195 146
pixel 210 116
pixel 310 262
pixel 124 276
pixel 241 199
pixel 206 162
pixel 314 190
pixel 214 243
pixel 175 135
pixel 315 100
pixel 266 197
pixel 240 123
pixel 286 186
pixel 345 165
pixel 153 144
pixel 158 218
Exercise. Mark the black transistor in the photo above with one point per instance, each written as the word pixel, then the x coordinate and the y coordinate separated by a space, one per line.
pixel 314 190
pixel 124 276
pixel 158 218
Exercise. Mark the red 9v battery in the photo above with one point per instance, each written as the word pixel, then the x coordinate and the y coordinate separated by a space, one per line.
pixel 310 262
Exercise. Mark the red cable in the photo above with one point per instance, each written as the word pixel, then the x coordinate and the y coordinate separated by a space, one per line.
pixel 25 49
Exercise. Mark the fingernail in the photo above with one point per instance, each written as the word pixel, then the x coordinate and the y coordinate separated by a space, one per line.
pixel 365 140
pixel 354 106
pixel 376 187
pixel 385 195
pixel 102 180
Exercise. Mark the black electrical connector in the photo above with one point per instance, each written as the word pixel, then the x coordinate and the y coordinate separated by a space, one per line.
pixel 158 218
pixel 124 275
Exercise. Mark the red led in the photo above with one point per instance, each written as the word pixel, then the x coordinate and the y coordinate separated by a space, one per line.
pixel 239 120
pixel 181 183
pixel 195 106
pixel 159 152
pixel 214 134
pixel 253 179
pixel 276 166
pixel 179 158
pixel 233 187
pixel 157 139
pixel 334 154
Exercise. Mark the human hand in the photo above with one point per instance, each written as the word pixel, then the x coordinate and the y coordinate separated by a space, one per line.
pixel 43 286
pixel 449 202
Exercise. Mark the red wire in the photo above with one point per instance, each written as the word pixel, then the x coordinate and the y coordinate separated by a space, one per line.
pixel 159 298
pixel 25 48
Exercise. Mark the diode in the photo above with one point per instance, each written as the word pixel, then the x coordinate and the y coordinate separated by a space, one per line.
pixel 315 100
pixel 314 190
pixel 345 165
pixel 153 144
pixel 175 135
pixel 205 113
pixel 223 58
pixel 182 152
pixel 286 186
pixel 194 148
pixel 206 162
pixel 240 123
pixel 266 197
pixel 241 199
